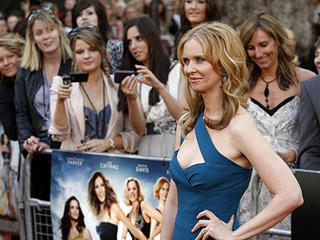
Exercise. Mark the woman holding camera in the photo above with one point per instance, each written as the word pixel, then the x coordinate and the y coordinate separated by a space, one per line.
pixel 87 12
pixel 85 115
pixel 152 99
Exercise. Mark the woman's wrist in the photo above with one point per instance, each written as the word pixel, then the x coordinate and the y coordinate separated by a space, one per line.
pixel 107 145
pixel 61 100
pixel 160 88
pixel 132 98
pixel 111 143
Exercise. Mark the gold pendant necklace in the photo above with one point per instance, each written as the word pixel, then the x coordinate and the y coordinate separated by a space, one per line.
pixel 209 122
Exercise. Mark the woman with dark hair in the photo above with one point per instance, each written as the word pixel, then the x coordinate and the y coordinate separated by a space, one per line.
pixel 66 19
pixel 3 25
pixel 104 205
pixel 141 212
pixel 5 149
pixel 316 59
pixel 274 98
pixel 72 223
pixel 167 25
pixel 195 12
pixel 116 25
pixel 12 19
pixel 155 108
pixel 92 12
pixel 5 142
pixel 7 178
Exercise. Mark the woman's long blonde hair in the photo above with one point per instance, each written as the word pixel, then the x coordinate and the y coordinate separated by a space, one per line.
pixel 224 51
pixel 126 192
pixel 32 56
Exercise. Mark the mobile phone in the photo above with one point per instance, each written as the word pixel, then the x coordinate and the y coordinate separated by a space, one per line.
pixel 122 74
pixel 75 77
pixel 85 139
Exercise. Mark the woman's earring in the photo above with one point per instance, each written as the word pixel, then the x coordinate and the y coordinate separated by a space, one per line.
pixel 224 78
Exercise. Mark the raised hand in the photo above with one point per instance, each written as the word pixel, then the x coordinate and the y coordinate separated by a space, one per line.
pixel 148 77
pixel 129 87
pixel 64 91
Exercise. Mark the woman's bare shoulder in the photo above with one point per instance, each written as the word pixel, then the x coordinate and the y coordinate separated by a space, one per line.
pixel 241 123
pixel 114 207
pixel 144 205
pixel 86 233
pixel 304 74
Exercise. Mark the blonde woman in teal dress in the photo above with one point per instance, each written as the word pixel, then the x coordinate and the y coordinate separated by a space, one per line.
pixel 212 168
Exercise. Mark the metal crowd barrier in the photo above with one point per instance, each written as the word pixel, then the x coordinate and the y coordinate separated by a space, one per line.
pixel 278 232
pixel 37 215
pixel 37 211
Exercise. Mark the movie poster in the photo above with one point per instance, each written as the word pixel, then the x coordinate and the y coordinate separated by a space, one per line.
pixel 70 176
pixel 9 159
pixel 7 171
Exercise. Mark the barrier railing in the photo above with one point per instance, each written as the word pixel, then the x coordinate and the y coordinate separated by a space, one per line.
pixel 278 232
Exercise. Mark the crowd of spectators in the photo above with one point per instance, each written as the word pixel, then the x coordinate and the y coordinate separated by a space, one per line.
pixel 40 44
pixel 136 35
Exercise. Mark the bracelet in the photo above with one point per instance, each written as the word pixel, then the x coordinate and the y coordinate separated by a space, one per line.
pixel 296 152
pixel 112 144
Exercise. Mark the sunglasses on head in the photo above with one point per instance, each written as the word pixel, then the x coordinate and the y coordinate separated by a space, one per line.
pixel 45 10
pixel 74 32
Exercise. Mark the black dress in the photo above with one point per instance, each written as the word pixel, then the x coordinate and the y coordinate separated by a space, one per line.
pixel 140 223
pixel 7 108
pixel 107 231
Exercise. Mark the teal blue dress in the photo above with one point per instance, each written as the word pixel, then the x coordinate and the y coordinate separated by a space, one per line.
pixel 216 185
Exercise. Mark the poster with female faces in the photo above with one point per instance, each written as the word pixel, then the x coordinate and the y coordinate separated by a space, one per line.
pixel 94 194
pixel 9 159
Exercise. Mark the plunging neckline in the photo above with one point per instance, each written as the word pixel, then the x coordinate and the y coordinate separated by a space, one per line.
pixel 189 167
pixel 201 132
pixel 272 111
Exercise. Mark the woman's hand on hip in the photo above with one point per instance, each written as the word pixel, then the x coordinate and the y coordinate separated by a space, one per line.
pixel 213 227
